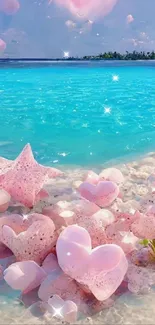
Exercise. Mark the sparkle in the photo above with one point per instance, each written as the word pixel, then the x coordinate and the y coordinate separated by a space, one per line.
pixel 25 216
pixel 99 131
pixel 63 154
pixel 107 110
pixel 67 214
pixel 132 211
pixel 55 161
pixel 91 153
pixel 97 34
pixel 129 238
pixel 66 55
pixel 115 78
pixel 57 312
pixel 85 125
pixel 90 22
pixel 68 254
pixel 70 24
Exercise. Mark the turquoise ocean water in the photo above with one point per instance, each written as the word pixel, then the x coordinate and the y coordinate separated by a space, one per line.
pixel 75 113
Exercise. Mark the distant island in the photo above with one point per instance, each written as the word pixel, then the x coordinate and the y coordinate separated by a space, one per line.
pixel 118 56
pixel 128 56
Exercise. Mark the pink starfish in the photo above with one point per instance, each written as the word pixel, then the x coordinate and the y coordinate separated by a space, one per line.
pixel 24 178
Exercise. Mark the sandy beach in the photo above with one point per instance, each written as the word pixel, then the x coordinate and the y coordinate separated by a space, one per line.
pixel 122 308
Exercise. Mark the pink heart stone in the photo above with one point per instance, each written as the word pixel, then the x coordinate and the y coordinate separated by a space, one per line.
pixel 102 269
pixel 103 194
pixel 18 223
pixel 34 243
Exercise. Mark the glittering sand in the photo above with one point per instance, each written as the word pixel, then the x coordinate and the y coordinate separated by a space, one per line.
pixel 122 308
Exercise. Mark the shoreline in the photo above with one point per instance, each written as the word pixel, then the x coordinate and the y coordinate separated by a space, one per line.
pixel 75 59
pixel 69 61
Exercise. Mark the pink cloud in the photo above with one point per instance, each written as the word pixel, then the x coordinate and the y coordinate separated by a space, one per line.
pixel 2 45
pixel 129 19
pixel 9 7
pixel 88 9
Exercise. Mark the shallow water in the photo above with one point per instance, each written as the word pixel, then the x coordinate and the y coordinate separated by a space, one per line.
pixel 61 109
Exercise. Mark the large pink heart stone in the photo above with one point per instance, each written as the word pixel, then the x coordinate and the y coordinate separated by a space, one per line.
pixel 103 194
pixel 102 269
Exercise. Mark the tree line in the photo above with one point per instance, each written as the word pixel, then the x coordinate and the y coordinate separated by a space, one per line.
pixel 119 56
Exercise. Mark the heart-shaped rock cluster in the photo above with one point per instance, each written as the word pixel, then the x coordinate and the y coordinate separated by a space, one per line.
pixel 73 251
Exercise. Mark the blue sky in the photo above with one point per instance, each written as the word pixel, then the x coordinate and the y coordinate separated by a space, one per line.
pixel 42 30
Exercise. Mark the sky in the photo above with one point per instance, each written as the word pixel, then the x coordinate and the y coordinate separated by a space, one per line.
pixel 50 28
